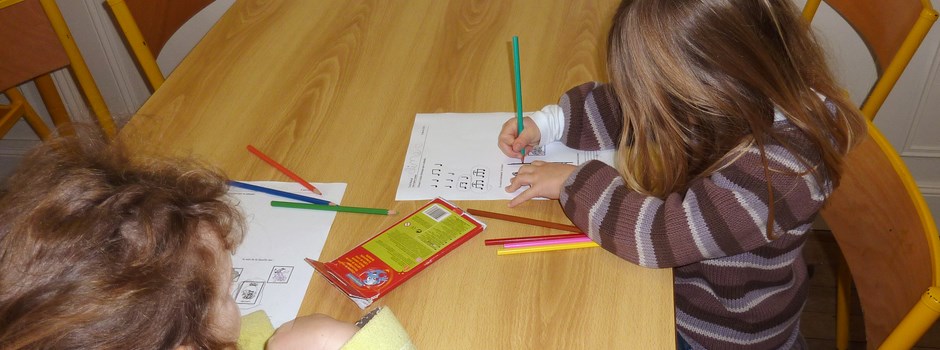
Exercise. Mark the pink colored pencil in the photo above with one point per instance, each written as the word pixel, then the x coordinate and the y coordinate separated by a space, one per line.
pixel 498 241
pixel 283 169
pixel 547 242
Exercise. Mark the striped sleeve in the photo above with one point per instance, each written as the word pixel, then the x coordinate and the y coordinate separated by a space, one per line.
pixel 593 119
pixel 720 215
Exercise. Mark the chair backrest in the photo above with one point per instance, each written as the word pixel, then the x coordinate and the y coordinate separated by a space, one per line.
pixel 26 25
pixel 892 31
pixel 148 25
pixel 34 41
pixel 887 236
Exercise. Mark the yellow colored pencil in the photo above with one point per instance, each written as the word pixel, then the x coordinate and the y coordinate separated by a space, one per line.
pixel 545 248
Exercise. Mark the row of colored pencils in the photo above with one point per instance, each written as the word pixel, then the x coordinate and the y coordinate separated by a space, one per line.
pixel 309 202
pixel 532 244
pixel 546 244
pixel 510 245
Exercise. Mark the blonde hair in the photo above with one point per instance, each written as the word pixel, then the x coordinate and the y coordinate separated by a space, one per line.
pixel 698 82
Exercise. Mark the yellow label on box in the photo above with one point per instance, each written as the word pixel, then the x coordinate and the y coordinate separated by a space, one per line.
pixel 420 236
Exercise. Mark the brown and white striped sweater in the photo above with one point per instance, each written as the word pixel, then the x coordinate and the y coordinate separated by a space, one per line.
pixel 734 288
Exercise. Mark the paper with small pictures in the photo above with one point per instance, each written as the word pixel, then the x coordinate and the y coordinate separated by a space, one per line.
pixel 269 272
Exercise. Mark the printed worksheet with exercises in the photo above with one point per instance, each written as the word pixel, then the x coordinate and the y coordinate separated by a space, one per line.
pixel 454 156
pixel 270 273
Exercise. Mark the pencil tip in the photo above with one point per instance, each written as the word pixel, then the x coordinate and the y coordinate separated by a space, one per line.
pixel 392 212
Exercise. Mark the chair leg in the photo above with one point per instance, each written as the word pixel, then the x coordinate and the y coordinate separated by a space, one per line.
pixel 50 97
pixel 843 295
pixel 916 322
pixel 809 11
pixel 9 115
pixel 33 119
pixel 79 68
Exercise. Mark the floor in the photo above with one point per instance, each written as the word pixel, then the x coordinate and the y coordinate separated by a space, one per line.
pixel 818 323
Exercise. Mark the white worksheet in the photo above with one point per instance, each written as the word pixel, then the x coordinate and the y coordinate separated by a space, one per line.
pixel 269 269
pixel 454 156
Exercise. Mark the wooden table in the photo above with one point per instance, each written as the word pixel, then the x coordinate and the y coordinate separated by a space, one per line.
pixel 331 88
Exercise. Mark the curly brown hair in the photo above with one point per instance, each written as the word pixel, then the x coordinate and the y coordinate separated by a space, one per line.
pixel 101 249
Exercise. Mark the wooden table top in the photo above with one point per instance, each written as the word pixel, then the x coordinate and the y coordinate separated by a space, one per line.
pixel 331 89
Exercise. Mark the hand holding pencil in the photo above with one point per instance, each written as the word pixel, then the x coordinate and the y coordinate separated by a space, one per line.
pixel 517 75
pixel 512 143
pixel 509 139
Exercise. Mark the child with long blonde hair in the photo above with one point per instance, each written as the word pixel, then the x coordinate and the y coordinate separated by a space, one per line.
pixel 730 132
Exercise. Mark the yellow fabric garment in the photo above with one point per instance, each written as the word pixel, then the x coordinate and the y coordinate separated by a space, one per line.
pixel 383 332
pixel 255 332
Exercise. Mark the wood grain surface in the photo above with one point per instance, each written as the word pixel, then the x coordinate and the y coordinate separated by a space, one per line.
pixel 331 88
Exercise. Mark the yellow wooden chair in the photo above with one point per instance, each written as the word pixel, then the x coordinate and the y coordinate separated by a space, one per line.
pixel 890 242
pixel 892 30
pixel 147 26
pixel 35 41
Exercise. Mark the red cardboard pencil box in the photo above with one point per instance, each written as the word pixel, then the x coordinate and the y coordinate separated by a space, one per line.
pixel 375 267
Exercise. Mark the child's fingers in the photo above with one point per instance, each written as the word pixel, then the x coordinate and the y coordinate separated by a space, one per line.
pixel 531 133
pixel 528 194
pixel 506 145
pixel 512 143
pixel 515 183
pixel 522 142
pixel 507 139
pixel 524 177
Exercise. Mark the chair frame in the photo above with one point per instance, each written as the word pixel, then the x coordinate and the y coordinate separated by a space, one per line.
pixel 20 107
pixel 139 46
pixel 46 86
pixel 926 311
pixel 890 73
pixel 145 52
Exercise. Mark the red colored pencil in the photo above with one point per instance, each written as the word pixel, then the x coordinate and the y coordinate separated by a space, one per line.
pixel 284 170
pixel 523 220
pixel 498 241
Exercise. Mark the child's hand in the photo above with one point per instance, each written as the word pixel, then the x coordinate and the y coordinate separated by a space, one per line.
pixel 544 180
pixel 315 331
pixel 511 143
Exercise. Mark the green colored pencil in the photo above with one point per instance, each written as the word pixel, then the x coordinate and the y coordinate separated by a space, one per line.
pixel 333 208
pixel 518 78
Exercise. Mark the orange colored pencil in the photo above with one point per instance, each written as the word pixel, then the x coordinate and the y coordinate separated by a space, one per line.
pixel 523 220
pixel 284 170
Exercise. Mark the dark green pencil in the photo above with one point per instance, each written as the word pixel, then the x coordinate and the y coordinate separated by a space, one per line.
pixel 333 208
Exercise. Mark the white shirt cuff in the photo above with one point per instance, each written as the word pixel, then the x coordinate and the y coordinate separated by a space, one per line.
pixel 551 123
